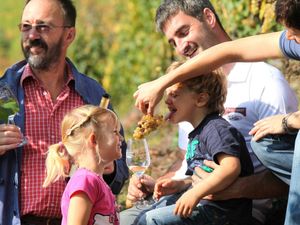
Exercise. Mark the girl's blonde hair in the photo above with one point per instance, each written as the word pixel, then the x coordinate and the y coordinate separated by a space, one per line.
pixel 76 127
pixel 213 83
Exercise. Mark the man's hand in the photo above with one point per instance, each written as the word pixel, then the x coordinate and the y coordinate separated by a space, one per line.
pixel 169 186
pixel 139 188
pixel 200 174
pixel 165 187
pixel 268 125
pixel 231 192
pixel 148 96
pixel 10 137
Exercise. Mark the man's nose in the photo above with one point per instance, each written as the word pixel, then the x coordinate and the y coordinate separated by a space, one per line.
pixel 33 33
pixel 179 48
pixel 184 49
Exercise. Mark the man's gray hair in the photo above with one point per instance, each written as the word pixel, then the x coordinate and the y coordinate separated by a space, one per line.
pixel 170 8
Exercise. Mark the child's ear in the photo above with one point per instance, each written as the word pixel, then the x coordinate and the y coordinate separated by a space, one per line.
pixel 202 99
pixel 92 139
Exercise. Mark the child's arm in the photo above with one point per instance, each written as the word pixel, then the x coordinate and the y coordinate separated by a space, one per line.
pixel 79 209
pixel 218 180
pixel 246 187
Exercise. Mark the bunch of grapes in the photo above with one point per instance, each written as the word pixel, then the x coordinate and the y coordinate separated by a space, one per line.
pixel 146 125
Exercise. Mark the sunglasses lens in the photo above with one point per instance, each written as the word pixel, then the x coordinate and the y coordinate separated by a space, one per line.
pixel 42 28
pixel 25 27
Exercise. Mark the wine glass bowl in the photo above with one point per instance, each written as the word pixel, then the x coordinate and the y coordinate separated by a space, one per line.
pixel 9 106
pixel 138 160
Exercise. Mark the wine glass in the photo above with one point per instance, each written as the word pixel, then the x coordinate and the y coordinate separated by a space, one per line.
pixel 138 160
pixel 9 106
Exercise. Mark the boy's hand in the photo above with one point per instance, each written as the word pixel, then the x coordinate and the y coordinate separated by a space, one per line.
pixel 186 203
pixel 166 187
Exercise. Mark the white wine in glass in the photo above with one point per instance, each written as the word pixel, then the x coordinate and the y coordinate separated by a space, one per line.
pixel 138 160
pixel 9 106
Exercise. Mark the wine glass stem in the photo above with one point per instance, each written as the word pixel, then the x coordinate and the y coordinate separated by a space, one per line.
pixel 141 202
pixel 10 119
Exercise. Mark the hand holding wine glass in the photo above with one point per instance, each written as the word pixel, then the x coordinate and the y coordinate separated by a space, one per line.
pixel 138 160
pixel 9 106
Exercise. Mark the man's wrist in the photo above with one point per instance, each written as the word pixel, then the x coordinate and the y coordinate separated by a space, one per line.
pixel 285 126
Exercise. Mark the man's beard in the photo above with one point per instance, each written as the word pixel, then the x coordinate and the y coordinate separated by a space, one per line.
pixel 44 60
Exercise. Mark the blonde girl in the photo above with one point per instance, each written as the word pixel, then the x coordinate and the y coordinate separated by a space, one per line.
pixel 91 141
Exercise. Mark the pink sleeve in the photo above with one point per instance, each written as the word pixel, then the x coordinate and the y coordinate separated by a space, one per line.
pixel 90 184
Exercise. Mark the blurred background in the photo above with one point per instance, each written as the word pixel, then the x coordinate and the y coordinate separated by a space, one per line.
pixel 118 45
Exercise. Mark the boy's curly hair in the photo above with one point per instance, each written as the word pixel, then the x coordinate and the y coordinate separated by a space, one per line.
pixel 213 83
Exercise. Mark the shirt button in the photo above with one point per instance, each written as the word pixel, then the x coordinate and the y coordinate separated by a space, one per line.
pixel 44 93
pixel 16 182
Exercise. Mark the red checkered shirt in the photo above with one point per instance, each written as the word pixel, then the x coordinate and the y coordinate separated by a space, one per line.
pixel 42 128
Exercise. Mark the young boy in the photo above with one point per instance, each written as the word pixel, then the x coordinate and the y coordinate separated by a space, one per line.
pixel 200 101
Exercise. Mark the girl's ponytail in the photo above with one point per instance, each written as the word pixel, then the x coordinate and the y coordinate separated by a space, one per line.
pixel 57 164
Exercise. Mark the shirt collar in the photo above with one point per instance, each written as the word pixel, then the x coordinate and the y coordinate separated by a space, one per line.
pixel 206 119
pixel 28 73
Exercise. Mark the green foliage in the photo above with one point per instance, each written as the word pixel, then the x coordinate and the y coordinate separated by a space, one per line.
pixel 10 13
pixel 239 21
pixel 4 44
pixel 124 51
pixel 235 17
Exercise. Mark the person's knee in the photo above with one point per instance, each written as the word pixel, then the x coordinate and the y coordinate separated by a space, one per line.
pixel 156 216
pixel 269 149
pixel 128 216
pixel 147 218
pixel 260 149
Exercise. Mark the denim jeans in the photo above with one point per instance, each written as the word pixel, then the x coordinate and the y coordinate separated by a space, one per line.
pixel 293 208
pixel 201 215
pixel 131 216
pixel 161 212
pixel 276 153
pixel 282 156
